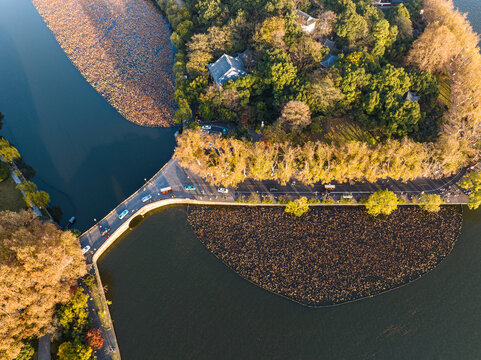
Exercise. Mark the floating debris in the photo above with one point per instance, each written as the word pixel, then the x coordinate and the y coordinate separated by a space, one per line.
pixel 330 255
pixel 122 48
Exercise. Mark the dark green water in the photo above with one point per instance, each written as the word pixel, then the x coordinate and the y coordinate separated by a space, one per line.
pixel 86 155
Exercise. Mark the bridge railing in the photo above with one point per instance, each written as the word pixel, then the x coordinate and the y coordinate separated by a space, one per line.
pixel 114 211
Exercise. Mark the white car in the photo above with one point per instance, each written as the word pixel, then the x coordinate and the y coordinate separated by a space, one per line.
pixel 123 214
pixel 223 190
pixel 146 198
pixel 206 127
pixel 85 249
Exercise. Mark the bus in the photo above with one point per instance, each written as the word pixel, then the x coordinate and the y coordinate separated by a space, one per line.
pixel 165 190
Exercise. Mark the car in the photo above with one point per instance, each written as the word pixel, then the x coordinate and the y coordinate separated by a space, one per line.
pixel 146 198
pixel 223 190
pixel 206 127
pixel 347 196
pixel 123 214
pixel 189 187
pixel 273 189
pixel 85 249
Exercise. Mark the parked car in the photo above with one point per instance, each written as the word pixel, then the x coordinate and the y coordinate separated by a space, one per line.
pixel 189 187
pixel 85 249
pixel 206 127
pixel 223 190
pixel 347 196
pixel 146 198
pixel 273 189
pixel 123 214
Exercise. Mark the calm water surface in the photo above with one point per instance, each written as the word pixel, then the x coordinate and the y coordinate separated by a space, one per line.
pixel 86 155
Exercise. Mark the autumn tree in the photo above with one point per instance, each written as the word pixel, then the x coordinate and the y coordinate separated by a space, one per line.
pixel 382 202
pixel 295 115
pixel 94 338
pixel 272 32
pixel 73 317
pixel 430 202
pixel 297 207
pixel 38 265
pixel 434 49
pixel 33 197
pixel 74 350
pixel 472 182
pixel 7 151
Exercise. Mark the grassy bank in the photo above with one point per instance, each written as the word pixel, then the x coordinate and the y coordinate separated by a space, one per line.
pixel 10 197
pixel 330 255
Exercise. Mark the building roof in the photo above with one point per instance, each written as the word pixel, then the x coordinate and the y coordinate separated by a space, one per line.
pixel 329 61
pixel 329 43
pixel 304 18
pixel 411 96
pixel 227 68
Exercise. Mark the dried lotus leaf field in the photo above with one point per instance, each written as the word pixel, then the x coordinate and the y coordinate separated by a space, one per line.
pixel 122 48
pixel 331 255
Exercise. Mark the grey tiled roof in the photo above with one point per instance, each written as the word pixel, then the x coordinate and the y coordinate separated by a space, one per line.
pixel 304 18
pixel 226 68
pixel 411 96
pixel 330 60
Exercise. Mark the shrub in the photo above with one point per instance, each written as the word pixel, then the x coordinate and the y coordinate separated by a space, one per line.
pixel 313 201
pixel 267 201
pixel 327 201
pixel 297 207
pixel 89 280
pixel 382 202
pixel 239 200
pixel 430 202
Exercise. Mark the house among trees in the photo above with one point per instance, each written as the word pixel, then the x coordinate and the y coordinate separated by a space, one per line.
pixel 227 68
pixel 387 3
pixel 329 61
pixel 329 43
pixel 411 96
pixel 306 21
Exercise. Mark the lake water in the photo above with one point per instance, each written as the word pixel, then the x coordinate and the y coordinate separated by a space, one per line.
pixel 86 155
pixel 172 299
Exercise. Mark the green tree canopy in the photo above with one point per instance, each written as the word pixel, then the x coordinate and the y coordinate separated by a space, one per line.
pixel 472 182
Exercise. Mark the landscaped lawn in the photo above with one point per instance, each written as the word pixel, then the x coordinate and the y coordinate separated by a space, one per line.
pixel 10 197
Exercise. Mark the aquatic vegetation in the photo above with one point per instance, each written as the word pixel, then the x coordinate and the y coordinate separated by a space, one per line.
pixel 122 48
pixel 334 255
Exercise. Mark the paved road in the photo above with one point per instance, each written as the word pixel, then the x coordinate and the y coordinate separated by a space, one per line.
pixel 173 175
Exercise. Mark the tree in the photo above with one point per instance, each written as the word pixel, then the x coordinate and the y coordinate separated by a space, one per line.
pixel 431 202
pixel 323 95
pixel 33 197
pixel 208 11
pixel 272 32
pixel 351 26
pixel 434 49
pixel 297 207
pixel 26 353
pixel 72 316
pixel 295 115
pixel 94 339
pixel 384 36
pixel 382 202
pixel 7 151
pixel 472 182
pixel 74 350
pixel 307 53
pixel 38 264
